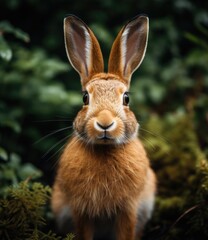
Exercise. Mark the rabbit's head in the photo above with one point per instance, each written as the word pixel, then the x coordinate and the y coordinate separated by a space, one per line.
pixel 105 117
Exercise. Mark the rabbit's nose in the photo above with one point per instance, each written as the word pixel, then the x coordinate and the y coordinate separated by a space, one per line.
pixel 104 127
pixel 105 121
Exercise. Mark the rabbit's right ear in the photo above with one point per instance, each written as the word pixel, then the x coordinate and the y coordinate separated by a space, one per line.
pixel 83 49
pixel 129 48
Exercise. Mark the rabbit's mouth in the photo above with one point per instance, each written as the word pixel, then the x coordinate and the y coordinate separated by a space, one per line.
pixel 105 137
pixel 105 141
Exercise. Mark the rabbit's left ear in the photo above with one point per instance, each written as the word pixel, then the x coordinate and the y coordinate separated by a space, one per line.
pixel 129 48
pixel 83 49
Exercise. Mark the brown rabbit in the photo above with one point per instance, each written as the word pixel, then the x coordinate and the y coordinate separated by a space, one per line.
pixel 104 173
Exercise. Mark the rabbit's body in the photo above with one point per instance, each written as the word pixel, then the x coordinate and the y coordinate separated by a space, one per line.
pixel 104 171
pixel 100 182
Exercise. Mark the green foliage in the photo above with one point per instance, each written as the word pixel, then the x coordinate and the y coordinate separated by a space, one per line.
pixel 200 217
pixel 7 28
pixel 13 171
pixel 30 93
pixel 182 174
pixel 21 213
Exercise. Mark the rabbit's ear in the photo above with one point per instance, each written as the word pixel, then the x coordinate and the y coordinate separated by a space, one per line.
pixel 129 48
pixel 83 49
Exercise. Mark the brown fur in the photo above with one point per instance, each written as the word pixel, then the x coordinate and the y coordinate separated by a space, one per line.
pixel 104 171
pixel 136 47
pixel 97 181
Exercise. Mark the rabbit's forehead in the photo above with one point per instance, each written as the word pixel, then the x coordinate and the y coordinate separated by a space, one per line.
pixel 106 87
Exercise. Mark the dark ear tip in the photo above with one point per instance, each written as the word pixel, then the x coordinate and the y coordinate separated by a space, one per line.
pixel 139 16
pixel 142 15
pixel 73 18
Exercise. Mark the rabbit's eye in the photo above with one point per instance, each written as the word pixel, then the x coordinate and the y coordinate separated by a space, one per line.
pixel 126 99
pixel 86 98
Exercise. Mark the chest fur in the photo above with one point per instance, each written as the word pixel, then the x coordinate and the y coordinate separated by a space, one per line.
pixel 99 186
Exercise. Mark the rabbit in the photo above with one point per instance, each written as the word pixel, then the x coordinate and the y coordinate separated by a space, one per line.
pixel 104 174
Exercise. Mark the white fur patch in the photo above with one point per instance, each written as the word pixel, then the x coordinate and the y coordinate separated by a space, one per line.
pixel 148 205
pixel 144 47
pixel 123 47
pixel 88 47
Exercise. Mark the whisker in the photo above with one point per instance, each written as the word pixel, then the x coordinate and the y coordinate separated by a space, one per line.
pixel 58 151
pixel 149 142
pixel 155 135
pixel 50 134
pixel 78 139
pixel 56 144
pixel 61 117
pixel 54 120
pixel 56 162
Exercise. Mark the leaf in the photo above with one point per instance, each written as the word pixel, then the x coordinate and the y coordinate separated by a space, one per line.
pixel 6 27
pixel 28 170
pixel 196 40
pixel 69 236
pixel 3 154
pixel 15 160
pixel 5 51
pixel 12 124
pixel 21 35
pixel 202 29
pixel 103 34
pixel 157 93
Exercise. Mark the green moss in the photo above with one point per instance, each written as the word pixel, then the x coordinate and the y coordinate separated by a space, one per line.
pixel 22 213
pixel 181 210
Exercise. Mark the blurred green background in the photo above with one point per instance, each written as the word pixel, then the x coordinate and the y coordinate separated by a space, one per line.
pixel 40 95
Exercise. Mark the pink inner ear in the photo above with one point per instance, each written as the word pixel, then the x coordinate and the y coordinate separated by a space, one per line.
pixel 131 48
pixel 82 48
pixel 135 46
pixel 79 44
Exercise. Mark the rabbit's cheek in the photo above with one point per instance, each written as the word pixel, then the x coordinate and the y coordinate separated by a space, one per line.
pixel 131 124
pixel 131 130
pixel 79 123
